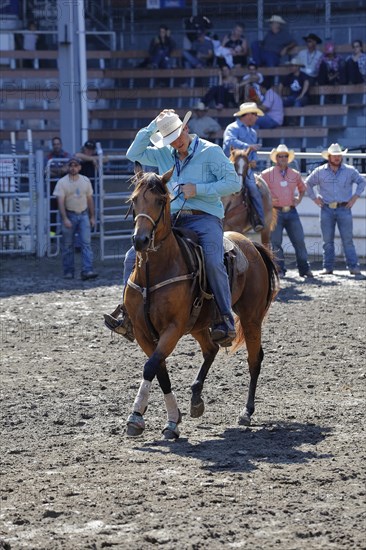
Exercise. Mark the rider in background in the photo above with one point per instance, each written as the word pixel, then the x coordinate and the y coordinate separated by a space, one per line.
pixel 241 135
pixel 202 175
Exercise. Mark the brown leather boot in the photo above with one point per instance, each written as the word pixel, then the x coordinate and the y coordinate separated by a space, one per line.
pixel 122 326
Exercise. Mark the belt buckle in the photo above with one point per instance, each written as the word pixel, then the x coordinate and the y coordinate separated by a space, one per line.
pixel 286 208
pixel 333 205
pixel 187 212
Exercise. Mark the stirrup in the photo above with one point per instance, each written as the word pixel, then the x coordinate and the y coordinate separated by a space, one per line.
pixel 121 326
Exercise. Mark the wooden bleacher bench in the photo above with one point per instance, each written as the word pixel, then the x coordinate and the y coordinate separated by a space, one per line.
pixel 346 91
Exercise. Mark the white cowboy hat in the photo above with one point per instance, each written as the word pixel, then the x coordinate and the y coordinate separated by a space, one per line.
pixel 334 149
pixel 282 148
pixel 276 19
pixel 249 107
pixel 200 106
pixel 169 129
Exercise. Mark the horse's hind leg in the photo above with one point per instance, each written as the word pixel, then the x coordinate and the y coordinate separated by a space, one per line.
pixel 209 351
pixel 252 333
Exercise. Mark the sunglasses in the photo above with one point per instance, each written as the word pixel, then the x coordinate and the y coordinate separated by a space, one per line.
pixel 255 114
pixel 282 156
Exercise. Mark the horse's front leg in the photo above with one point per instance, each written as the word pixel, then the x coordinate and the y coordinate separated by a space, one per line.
pixel 209 351
pixel 155 366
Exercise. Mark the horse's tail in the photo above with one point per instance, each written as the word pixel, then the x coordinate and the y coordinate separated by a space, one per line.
pixel 273 278
pixel 273 288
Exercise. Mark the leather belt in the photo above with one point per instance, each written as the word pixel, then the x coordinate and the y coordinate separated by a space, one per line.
pixel 284 208
pixel 192 212
pixel 73 211
pixel 334 205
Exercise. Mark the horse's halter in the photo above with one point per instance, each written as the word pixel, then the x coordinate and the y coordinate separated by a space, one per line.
pixel 151 247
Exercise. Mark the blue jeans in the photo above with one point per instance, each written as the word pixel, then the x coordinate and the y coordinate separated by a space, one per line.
pixel 291 222
pixel 210 235
pixel 266 122
pixel 255 194
pixel 293 101
pixel 80 225
pixel 329 218
pixel 264 57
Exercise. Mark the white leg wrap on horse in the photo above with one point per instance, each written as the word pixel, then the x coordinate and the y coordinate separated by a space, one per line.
pixel 142 397
pixel 171 407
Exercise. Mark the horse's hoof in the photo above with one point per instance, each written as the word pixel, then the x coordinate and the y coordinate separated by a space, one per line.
pixel 135 425
pixel 197 406
pixel 171 430
pixel 244 419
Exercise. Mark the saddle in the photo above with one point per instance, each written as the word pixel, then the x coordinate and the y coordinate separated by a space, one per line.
pixel 235 262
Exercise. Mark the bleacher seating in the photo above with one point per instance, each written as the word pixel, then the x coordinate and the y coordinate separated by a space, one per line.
pixel 121 100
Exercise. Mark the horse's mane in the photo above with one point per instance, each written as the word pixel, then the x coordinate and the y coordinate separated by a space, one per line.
pixel 236 153
pixel 150 181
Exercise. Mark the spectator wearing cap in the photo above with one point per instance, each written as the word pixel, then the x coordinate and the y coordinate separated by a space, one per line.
pixel 89 160
pixel 203 125
pixel 331 67
pixel 298 83
pixel 338 186
pixel 287 189
pixel 74 194
pixel 310 57
pixel 276 43
pixel 241 135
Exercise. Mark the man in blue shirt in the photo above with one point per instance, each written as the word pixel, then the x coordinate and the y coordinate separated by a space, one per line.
pixel 241 135
pixel 202 175
pixel 334 181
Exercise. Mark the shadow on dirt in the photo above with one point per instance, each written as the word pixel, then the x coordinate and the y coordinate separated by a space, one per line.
pixel 241 449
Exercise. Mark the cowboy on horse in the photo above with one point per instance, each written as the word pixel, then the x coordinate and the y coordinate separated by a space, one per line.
pixel 241 135
pixel 202 175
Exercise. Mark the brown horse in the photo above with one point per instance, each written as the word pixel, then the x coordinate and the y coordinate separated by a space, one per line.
pixel 160 294
pixel 236 209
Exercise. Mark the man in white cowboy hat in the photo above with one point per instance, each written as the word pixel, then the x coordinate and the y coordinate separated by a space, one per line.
pixel 276 43
pixel 202 175
pixel 203 125
pixel 335 197
pixel 287 189
pixel 310 57
pixel 241 135
pixel 297 82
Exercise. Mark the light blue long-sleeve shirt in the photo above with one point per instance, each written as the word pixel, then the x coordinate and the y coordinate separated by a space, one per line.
pixel 208 169
pixel 335 186
pixel 239 136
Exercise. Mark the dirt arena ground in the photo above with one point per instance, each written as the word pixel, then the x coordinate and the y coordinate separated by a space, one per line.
pixel 71 479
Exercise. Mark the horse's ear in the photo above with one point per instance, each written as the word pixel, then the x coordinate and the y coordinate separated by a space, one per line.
pixel 138 169
pixel 166 177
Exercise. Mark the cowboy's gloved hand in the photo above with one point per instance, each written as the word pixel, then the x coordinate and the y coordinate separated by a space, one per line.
pixel 160 115
pixel 188 190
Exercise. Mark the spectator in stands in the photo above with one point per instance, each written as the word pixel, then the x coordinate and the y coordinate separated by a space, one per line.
pixel 272 106
pixel 75 201
pixel 287 189
pixel 310 57
pixel 335 197
pixel 276 43
pixel 160 49
pixel 201 53
pixel 237 45
pixel 250 85
pixel 225 93
pixel 356 64
pixel 30 40
pixel 298 84
pixel 331 67
pixel 241 135
pixel 203 125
